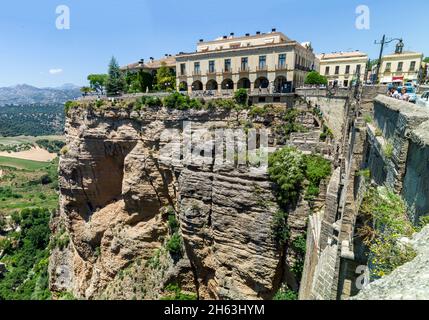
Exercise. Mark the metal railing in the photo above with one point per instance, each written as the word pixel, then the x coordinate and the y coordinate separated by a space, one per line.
pixel 243 69
pixel 281 66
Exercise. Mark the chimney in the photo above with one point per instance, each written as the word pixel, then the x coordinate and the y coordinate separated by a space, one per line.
pixel 201 40
pixel 247 34
pixel 258 32
pixel 273 30
pixel 231 34
pixel 151 59
pixel 225 37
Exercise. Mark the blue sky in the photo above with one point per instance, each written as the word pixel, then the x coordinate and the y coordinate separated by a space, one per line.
pixel 31 46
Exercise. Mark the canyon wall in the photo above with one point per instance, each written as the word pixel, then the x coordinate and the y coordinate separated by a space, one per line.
pixel 118 190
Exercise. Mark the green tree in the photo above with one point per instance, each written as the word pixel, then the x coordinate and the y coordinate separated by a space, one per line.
pixel 426 60
pixel 138 81
pixel 315 78
pixel 97 82
pixel 85 90
pixel 115 84
pixel 241 96
pixel 286 168
pixel 165 78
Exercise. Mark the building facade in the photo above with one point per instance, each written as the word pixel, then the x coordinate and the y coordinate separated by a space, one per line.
pixel 268 63
pixel 400 67
pixel 341 68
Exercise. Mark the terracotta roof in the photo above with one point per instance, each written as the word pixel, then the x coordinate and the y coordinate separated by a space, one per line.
pixel 337 55
pixel 155 64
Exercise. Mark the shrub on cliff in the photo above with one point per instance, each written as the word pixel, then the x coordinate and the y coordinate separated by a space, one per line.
pixel 174 244
pixel 385 222
pixel 317 169
pixel 175 293
pixel 284 293
pixel 280 227
pixel 241 97
pixel 286 167
pixel 179 101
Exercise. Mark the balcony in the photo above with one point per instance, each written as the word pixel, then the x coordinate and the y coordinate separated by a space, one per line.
pixel 281 67
pixel 211 72
pixel 262 68
pixel 182 74
pixel 196 73
pixel 302 68
pixel 227 71
pixel 243 69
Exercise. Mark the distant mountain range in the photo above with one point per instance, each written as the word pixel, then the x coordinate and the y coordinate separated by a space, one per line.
pixel 24 94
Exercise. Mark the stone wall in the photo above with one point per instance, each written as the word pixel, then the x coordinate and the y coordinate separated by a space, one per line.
pixel 319 279
pixel 334 110
pixel 403 128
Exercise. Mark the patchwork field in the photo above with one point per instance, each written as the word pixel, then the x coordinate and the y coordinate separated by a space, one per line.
pixel 26 184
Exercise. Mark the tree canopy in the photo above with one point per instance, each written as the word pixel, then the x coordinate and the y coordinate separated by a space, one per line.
pixel 97 82
pixel 138 81
pixel 115 84
pixel 315 78
pixel 165 78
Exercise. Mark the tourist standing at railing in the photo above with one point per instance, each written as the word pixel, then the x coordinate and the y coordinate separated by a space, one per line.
pixel 404 95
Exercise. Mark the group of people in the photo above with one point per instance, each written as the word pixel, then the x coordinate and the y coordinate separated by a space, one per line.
pixel 402 95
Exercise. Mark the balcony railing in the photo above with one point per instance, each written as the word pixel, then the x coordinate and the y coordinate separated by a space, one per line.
pixel 282 66
pixel 213 71
pixel 196 73
pixel 302 68
pixel 227 71
pixel 261 68
pixel 182 74
pixel 243 69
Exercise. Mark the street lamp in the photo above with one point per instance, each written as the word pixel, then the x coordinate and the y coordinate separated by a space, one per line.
pixel 399 48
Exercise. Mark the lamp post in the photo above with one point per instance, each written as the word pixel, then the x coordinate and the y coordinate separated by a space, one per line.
pixel 399 48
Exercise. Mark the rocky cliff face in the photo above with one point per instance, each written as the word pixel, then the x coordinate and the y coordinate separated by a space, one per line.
pixel 116 188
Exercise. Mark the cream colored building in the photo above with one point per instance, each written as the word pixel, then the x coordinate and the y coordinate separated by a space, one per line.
pixel 341 67
pixel 265 62
pixel 404 66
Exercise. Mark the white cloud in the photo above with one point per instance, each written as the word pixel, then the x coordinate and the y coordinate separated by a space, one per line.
pixel 55 71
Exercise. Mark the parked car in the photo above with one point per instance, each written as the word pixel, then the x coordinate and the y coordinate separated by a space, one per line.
pixel 423 100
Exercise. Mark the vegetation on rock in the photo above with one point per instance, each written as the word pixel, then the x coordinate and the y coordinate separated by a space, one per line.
pixel 385 223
